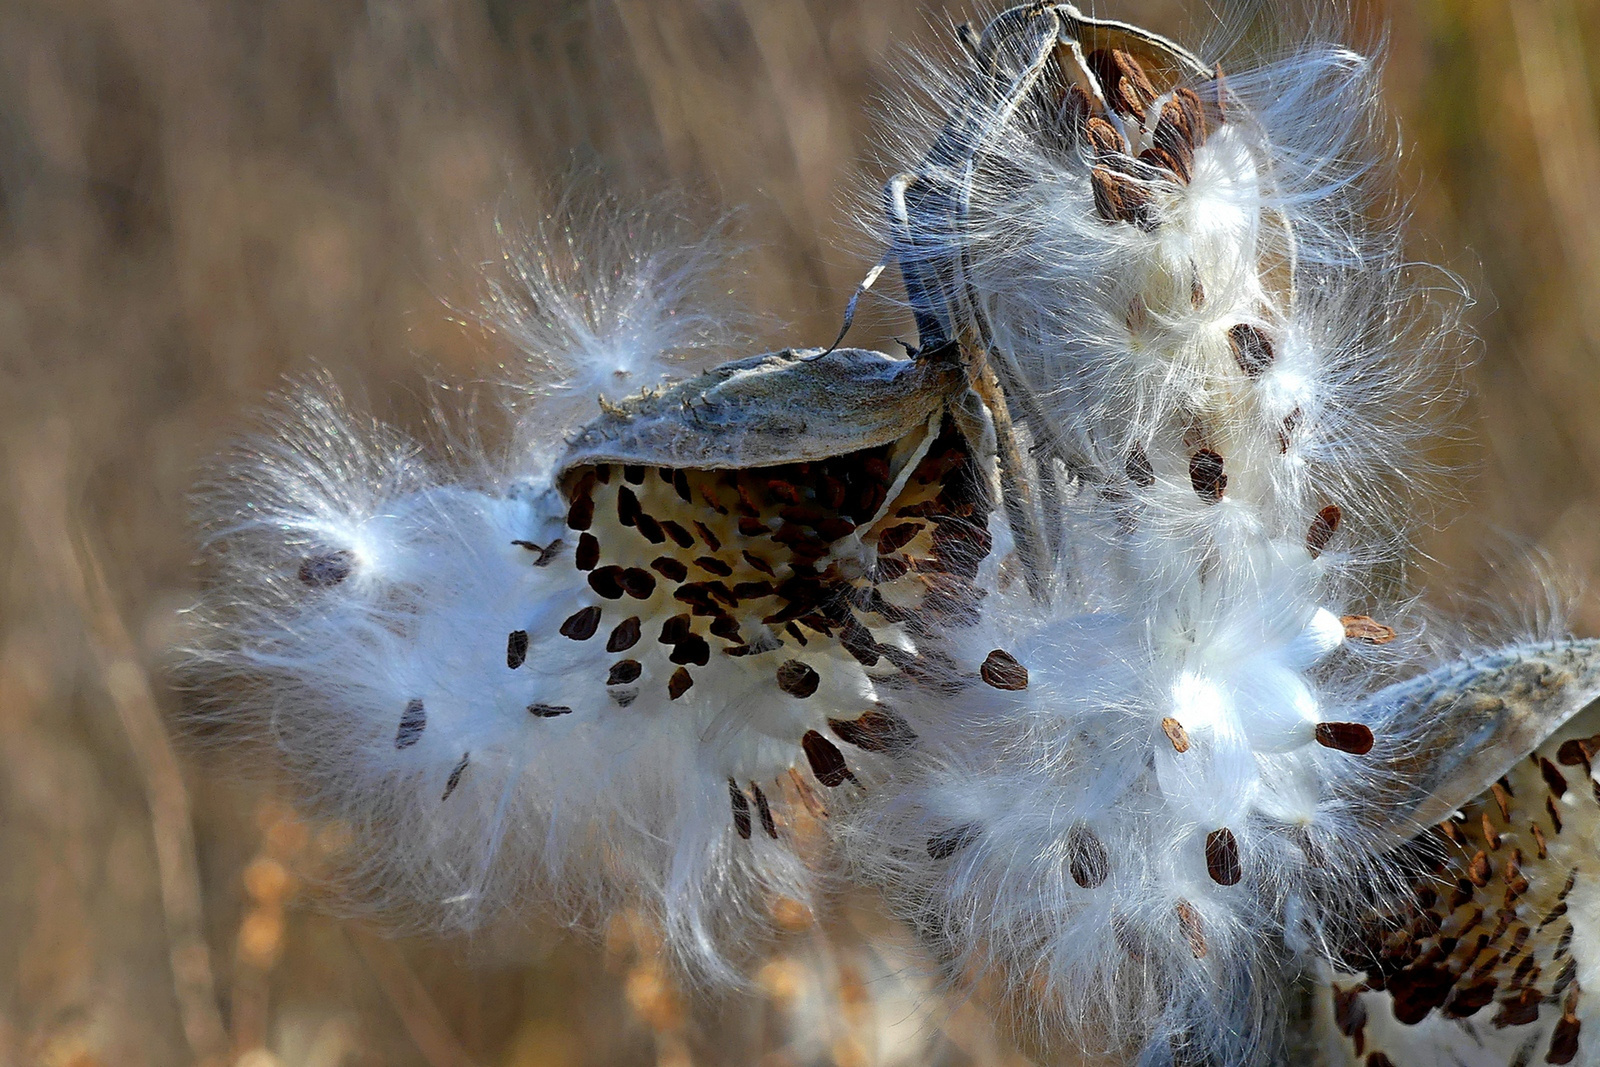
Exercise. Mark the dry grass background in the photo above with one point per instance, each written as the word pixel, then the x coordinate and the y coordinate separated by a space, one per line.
pixel 198 196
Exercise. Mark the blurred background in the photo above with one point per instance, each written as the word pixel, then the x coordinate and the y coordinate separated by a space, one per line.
pixel 200 196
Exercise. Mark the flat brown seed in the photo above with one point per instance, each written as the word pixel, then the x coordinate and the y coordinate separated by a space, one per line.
pixel 707 536
pixel 691 650
pixel 1119 198
pixel 633 474
pixel 627 506
pixel 670 569
pixel 638 583
pixel 625 636
pixel 607 581
pixel 1206 475
pixel 327 569
pixel 1252 349
pixel 1352 737
pixel 1362 628
pixel 679 683
pixel 1322 529
pixel 580 516
pixel 1104 137
pixel 588 552
pixel 412 722
pixel 764 811
pixel 880 730
pixel 455 777
pixel 624 672
pixel 798 679
pixel 827 762
pixel 1193 930
pixel 1087 859
pixel 547 711
pixel 1222 857
pixel 741 809
pixel 895 537
pixel 1001 670
pixel 713 565
pixel 516 648
pixel 1553 778
pixel 581 625
pixel 682 537
pixel 1176 734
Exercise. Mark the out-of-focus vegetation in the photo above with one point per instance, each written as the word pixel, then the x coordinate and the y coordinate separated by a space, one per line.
pixel 200 196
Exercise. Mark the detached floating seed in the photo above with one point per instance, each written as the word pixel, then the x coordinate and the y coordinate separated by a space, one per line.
pixel 1222 857
pixel 1252 349
pixel 1323 527
pixel 1206 475
pixel 1352 737
pixel 1176 734
pixel 327 569
pixel 799 680
pixel 412 722
pixel 1362 628
pixel 516 648
pixel 1001 670
pixel 547 711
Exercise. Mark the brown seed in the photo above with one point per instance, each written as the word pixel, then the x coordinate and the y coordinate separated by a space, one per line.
pixel 1553 778
pixel 670 569
pixel 946 843
pixel 1160 159
pixel 682 537
pixel 713 565
pixel 607 581
pixel 624 672
pixel 543 554
pixel 827 762
pixel 1174 136
pixel 633 474
pixel 1322 529
pixel 516 648
pixel 627 506
pixel 879 730
pixel 679 683
pixel 455 777
pixel 764 811
pixel 580 516
pixel 758 563
pixel 1176 734
pixel 741 809
pixel 1362 628
pixel 625 636
pixel 1119 198
pixel 412 722
pixel 327 569
pixel 547 711
pixel 1103 136
pixel 1564 1040
pixel 1352 737
pixel 1001 670
pixel 895 537
pixel 1501 792
pixel 798 679
pixel 692 649
pixel 1222 857
pixel 680 485
pixel 649 528
pixel 602 474
pixel 1138 467
pixel 1206 475
pixel 638 583
pixel 582 624
pixel 588 552
pixel 1252 349
pixel 1479 871
pixel 707 536
pixel 1193 930
pixel 1087 859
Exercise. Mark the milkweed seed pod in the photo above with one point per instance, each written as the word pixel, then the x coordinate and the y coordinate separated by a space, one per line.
pixel 651 673
pixel 1139 794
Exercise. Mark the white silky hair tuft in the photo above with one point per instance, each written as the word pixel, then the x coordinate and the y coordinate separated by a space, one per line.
pixel 1140 795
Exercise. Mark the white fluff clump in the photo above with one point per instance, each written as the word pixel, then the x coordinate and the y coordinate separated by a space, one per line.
pixel 1139 795
pixel 605 299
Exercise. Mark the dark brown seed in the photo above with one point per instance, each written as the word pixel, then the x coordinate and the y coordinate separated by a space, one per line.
pixel 798 679
pixel 879 730
pixel 1362 628
pixel 707 536
pixel 625 636
pixel 679 683
pixel 327 569
pixel 713 565
pixel 548 711
pixel 682 537
pixel 1206 475
pixel 1519 1010
pixel 758 563
pixel 1140 472
pixel 1252 349
pixel 1193 930
pixel 680 485
pixel 1378 1059
pixel 412 722
pixel 1564 1040
pixel 895 537
pixel 764 811
pixel 633 474
pixel 675 629
pixel 827 762
pixel 602 474
pixel 670 569
pixel 1087 859
pixel 1176 734
pixel 859 642
pixel 1103 136
pixel 455 777
pixel 1322 529
pixel 692 649
pixel 624 672
pixel 727 628
pixel 638 583
pixel 649 528
pixel 1120 198
pixel 607 581
pixel 1222 857
pixel 1352 737
pixel 544 554
pixel 946 843
pixel 581 625
pixel 1553 778
pixel 516 648
pixel 752 590
pixel 1161 159
pixel 588 552
pixel 1001 670
pixel 627 506
pixel 1479 870
pixel 580 516
pixel 741 809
